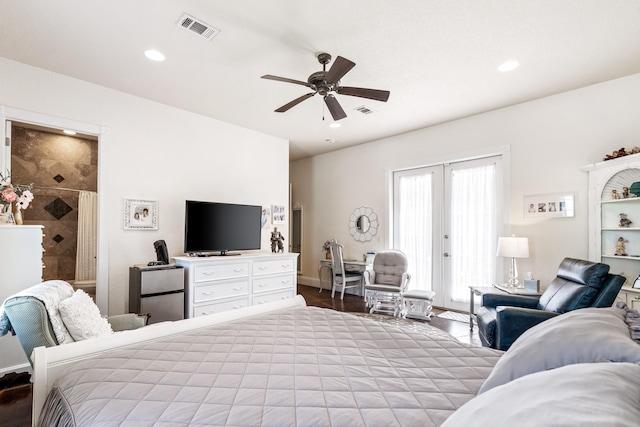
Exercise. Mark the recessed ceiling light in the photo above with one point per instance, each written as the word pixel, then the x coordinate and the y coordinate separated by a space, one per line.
pixel 69 132
pixel 508 65
pixel 335 125
pixel 154 55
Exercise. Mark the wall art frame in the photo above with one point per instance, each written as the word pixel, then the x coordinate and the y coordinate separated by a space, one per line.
pixel 140 214
pixel 555 205
pixel 278 214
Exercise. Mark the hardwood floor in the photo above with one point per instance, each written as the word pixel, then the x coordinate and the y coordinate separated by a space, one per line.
pixel 15 391
pixel 354 303
pixel 15 400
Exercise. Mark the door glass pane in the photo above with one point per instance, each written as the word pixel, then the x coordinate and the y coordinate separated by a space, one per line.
pixel 473 229
pixel 414 232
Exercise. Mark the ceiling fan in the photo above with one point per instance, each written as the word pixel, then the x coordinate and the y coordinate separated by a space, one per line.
pixel 325 82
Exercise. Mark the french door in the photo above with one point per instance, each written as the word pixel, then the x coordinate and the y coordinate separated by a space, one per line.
pixel 447 218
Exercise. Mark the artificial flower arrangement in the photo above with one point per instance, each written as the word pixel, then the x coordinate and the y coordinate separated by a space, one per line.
pixel 21 195
pixel 325 246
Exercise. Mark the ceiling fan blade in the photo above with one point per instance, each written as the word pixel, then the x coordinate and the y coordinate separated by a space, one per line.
pixel 334 107
pixel 286 80
pixel 340 67
pixel 378 95
pixel 293 103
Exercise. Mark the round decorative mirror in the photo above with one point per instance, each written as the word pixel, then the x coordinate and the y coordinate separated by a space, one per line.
pixel 363 224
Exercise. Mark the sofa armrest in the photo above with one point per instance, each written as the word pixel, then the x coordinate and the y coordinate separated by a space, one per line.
pixel 125 322
pixel 497 299
pixel 511 322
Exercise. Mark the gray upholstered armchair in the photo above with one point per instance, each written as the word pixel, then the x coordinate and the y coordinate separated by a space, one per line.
pixel 578 284
pixel 26 316
pixel 385 284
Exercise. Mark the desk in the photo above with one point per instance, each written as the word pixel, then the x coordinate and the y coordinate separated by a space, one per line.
pixel 349 265
pixel 481 290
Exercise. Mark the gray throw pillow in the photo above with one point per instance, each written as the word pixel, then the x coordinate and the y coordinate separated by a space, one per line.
pixel 581 336
pixel 585 395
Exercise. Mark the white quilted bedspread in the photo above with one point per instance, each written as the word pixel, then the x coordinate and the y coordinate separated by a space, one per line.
pixel 302 367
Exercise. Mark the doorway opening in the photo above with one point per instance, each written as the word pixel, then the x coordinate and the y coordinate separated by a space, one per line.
pixel 67 172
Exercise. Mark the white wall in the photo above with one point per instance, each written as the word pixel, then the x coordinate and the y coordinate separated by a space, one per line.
pixel 549 140
pixel 158 153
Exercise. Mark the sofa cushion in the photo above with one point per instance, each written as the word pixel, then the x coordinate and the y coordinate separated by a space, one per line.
pixel 581 336
pixel 586 394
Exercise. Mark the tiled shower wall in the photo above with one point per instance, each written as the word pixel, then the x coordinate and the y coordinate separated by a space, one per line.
pixel 55 162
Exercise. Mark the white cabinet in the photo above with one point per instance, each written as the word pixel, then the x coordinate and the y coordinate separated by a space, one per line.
pixel 605 214
pixel 21 265
pixel 216 284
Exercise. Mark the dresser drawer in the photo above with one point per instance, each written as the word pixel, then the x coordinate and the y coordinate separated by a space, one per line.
pixel 213 291
pixel 268 284
pixel 275 296
pixel 273 267
pixel 205 273
pixel 206 309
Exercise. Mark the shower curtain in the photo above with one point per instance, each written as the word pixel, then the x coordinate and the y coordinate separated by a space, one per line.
pixel 86 253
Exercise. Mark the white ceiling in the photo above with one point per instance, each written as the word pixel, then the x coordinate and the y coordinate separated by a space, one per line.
pixel 437 57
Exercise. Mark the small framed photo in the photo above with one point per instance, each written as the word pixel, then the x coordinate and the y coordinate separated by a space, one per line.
pixel 278 214
pixel 140 214
pixel 265 218
pixel 636 284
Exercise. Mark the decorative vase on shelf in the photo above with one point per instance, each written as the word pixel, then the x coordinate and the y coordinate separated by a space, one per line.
pixel 327 255
pixel 17 214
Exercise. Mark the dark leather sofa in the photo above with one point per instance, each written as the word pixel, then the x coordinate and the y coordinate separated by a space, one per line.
pixel 578 284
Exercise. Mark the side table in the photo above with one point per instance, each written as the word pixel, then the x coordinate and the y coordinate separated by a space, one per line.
pixel 481 290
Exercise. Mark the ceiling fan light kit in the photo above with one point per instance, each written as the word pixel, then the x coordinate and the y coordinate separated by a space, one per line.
pixel 327 83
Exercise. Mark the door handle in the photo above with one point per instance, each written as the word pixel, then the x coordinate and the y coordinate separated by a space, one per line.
pixel 446 254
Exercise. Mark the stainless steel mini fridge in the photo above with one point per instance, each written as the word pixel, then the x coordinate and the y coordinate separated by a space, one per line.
pixel 158 290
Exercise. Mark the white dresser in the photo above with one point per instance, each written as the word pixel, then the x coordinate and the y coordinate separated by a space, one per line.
pixel 21 265
pixel 221 283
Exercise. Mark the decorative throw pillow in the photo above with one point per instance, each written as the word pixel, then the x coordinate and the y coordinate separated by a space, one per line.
pixel 580 336
pixel 82 317
pixel 585 394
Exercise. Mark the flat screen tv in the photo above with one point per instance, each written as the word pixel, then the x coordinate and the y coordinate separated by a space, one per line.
pixel 217 228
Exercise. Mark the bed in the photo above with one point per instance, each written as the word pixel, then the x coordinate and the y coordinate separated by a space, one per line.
pixel 286 364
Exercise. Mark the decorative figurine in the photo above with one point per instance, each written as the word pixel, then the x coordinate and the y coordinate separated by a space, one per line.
pixel 277 240
pixel 620 251
pixel 625 192
pixel 614 194
pixel 624 221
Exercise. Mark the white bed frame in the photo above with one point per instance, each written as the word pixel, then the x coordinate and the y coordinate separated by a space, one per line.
pixel 51 362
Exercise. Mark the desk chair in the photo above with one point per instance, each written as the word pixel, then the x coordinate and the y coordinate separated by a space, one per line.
pixel 341 278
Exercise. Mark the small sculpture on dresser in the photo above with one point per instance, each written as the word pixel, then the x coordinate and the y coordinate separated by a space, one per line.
pixel 277 240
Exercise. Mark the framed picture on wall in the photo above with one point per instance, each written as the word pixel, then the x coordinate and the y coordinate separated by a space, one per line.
pixel 548 205
pixel 278 214
pixel 140 214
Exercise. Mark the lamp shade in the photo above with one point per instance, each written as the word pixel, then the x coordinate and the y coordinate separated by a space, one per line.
pixel 513 247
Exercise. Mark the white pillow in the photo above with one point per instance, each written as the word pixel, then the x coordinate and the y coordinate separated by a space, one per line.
pixel 82 317
pixel 586 394
pixel 579 336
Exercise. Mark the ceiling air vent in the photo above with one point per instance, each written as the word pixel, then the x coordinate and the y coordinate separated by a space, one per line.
pixel 364 110
pixel 197 26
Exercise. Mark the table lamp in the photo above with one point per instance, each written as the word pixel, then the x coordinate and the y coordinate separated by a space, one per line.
pixel 513 247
